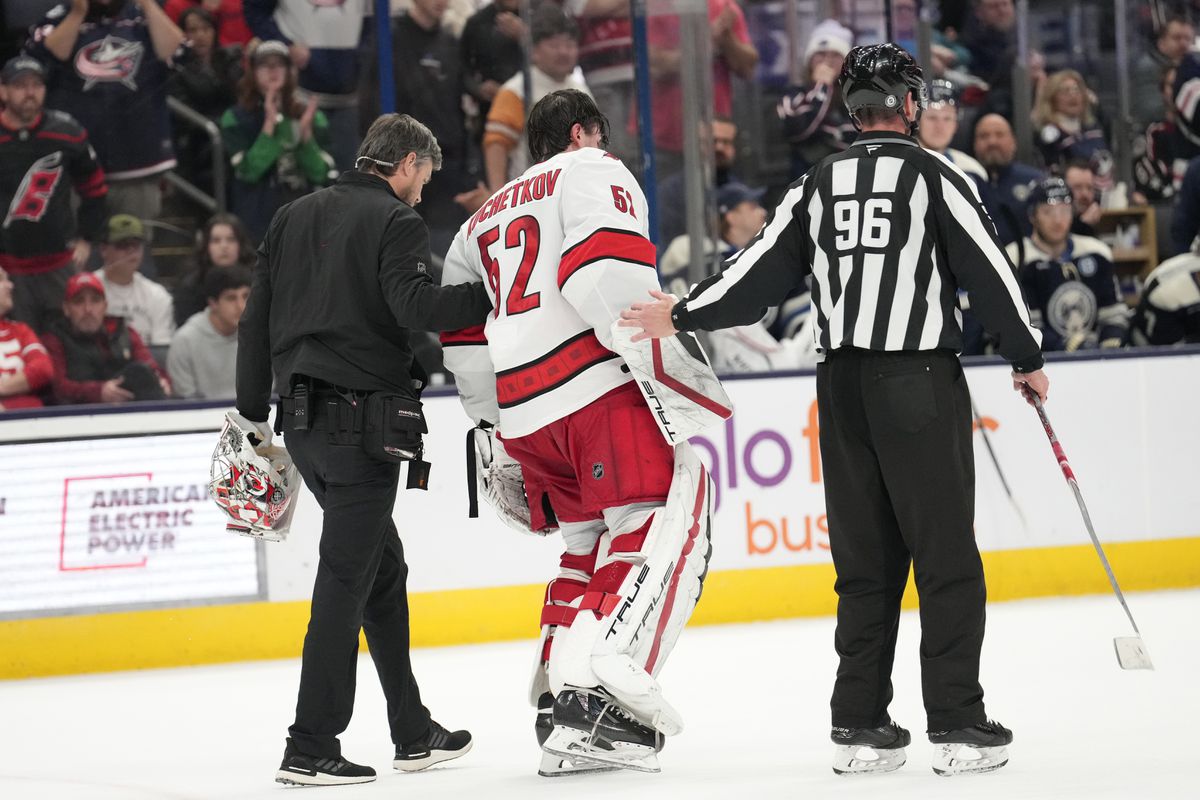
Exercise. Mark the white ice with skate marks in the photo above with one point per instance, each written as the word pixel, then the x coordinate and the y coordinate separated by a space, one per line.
pixel 755 699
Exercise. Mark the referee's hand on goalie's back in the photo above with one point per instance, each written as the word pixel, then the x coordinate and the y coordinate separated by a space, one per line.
pixel 654 318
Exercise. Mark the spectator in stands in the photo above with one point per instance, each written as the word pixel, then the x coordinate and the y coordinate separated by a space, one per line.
pixel 939 124
pixel 276 145
pixel 773 342
pixel 554 56
pixel 1168 311
pixel 990 37
pixel 98 358
pixel 1010 180
pixel 814 118
pixel 672 220
pixel 25 367
pixel 143 303
pixel 41 245
pixel 228 19
pixel 202 361
pixel 428 75
pixel 606 58
pixel 491 52
pixel 1066 127
pixel 224 242
pixel 112 59
pixel 1174 40
pixel 1068 280
pixel 733 54
pixel 206 82
pixel 1081 180
pixel 1160 157
pixel 323 40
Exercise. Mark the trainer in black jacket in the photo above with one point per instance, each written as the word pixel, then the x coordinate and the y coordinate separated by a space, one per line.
pixel 341 278
pixel 889 233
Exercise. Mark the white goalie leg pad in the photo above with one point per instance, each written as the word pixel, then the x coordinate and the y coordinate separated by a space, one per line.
pixel 640 599
pixel 675 377
pixel 563 594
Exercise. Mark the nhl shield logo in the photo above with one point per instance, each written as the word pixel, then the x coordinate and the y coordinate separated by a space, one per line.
pixel 597 470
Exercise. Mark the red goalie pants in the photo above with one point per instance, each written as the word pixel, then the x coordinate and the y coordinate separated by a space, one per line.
pixel 609 453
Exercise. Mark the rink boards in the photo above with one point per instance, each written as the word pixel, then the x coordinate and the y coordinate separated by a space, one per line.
pixel 111 557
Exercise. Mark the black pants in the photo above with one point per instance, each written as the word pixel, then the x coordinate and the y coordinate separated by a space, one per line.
pixel 900 488
pixel 360 583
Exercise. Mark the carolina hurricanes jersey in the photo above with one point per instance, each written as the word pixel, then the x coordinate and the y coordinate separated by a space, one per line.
pixel 563 249
pixel 20 350
pixel 38 167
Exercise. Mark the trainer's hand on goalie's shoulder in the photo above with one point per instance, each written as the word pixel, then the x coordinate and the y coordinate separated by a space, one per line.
pixel 654 318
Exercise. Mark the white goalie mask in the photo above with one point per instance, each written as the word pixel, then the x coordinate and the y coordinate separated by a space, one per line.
pixel 256 488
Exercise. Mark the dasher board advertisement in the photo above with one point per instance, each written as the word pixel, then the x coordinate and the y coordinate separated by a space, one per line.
pixel 115 523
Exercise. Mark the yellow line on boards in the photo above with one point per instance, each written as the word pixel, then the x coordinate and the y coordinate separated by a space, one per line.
pixel 214 634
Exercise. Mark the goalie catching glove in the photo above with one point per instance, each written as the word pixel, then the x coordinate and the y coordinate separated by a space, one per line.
pixel 254 482
pixel 492 472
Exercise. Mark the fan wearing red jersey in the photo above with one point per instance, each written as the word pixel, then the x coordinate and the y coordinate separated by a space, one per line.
pixel 562 249
pixel 25 367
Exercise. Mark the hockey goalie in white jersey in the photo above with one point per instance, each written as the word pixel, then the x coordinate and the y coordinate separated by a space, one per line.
pixel 563 249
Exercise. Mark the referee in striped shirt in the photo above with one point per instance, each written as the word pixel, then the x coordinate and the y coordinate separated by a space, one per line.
pixel 889 232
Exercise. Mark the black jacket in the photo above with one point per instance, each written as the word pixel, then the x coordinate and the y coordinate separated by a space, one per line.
pixel 342 276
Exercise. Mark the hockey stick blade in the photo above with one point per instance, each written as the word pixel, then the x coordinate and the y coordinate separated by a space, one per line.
pixel 1132 653
pixel 1131 650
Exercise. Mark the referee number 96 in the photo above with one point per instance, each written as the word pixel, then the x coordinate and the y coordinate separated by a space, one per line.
pixel 862 223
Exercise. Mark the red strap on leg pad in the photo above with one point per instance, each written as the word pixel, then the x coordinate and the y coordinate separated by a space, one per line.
pixel 559 615
pixel 602 603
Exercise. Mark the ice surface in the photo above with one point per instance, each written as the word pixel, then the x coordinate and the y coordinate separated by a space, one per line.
pixel 754 698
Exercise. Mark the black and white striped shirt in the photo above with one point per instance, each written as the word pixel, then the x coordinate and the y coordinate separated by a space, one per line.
pixel 890 232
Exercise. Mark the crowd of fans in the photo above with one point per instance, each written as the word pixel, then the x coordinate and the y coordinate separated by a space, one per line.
pixel 86 137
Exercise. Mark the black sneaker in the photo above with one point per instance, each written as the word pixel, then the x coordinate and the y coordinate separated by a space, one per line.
pixel 434 747
pixel 299 769
pixel 965 751
pixel 863 751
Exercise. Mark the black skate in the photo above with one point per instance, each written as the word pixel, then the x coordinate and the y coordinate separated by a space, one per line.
pixel 979 748
pixel 299 769
pixel 863 751
pixel 590 728
pixel 553 765
pixel 434 747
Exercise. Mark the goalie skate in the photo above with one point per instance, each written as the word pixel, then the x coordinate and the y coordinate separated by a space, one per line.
pixel 591 729
pixel 980 748
pixel 553 765
pixel 864 751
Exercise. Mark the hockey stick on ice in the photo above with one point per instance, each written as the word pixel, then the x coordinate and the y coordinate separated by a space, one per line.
pixel 1131 650
pixel 987 442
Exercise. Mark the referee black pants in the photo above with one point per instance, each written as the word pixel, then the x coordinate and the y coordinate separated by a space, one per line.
pixel 361 584
pixel 899 489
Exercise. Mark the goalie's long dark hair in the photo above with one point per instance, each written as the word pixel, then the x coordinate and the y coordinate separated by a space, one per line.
pixel 552 117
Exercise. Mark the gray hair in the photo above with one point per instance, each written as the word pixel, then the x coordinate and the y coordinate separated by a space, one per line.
pixel 389 141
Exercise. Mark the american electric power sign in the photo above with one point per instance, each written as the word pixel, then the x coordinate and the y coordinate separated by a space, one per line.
pixel 111 523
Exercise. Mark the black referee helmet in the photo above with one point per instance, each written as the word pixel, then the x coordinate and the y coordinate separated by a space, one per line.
pixel 880 76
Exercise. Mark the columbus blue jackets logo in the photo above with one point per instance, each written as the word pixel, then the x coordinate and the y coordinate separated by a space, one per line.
pixel 1072 308
pixel 110 60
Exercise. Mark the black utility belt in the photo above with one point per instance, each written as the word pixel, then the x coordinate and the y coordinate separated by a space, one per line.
pixel 388 426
